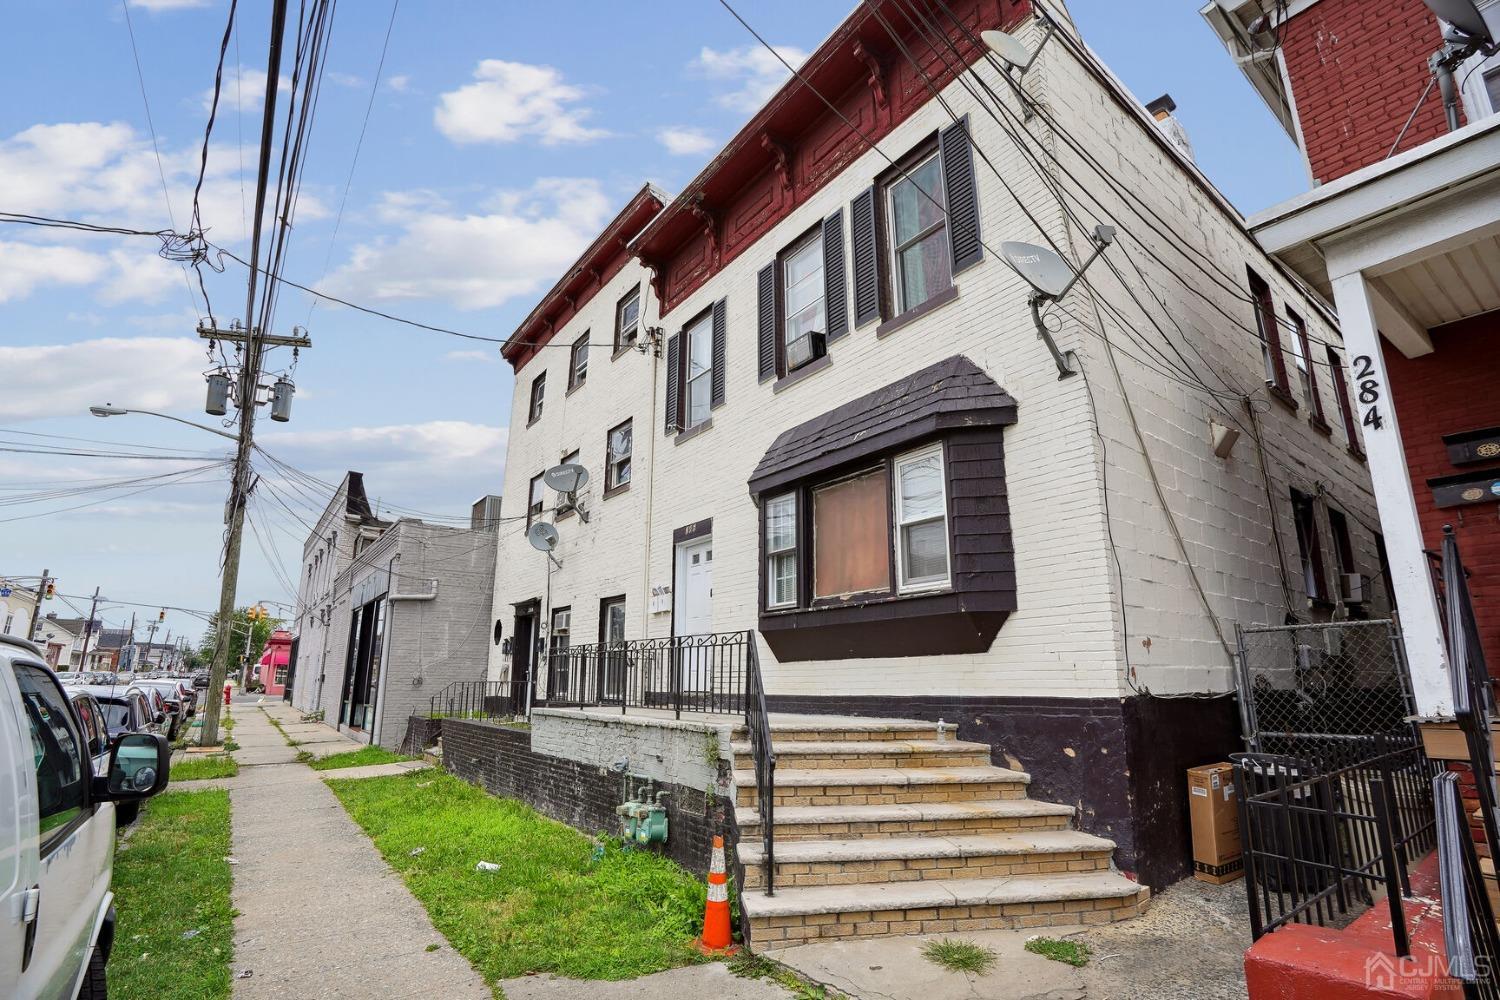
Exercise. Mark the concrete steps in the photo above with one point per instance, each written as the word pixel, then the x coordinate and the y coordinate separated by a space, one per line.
pixel 849 823
pixel 873 860
pixel 872 786
pixel 891 826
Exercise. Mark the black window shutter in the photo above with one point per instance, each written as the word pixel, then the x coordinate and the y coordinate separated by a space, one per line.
pixel 674 377
pixel 766 294
pixel 963 200
pixel 835 303
pixel 866 257
pixel 717 383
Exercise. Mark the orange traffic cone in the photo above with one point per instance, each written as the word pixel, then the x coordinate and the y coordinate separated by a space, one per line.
pixel 715 939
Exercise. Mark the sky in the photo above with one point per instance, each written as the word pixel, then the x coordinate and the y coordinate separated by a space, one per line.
pixel 500 137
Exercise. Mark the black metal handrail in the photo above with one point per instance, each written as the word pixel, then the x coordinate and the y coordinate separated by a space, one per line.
pixel 473 700
pixel 1315 845
pixel 758 722
pixel 684 673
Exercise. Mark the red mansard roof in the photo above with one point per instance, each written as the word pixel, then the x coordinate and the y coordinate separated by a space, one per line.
pixel 599 263
pixel 795 145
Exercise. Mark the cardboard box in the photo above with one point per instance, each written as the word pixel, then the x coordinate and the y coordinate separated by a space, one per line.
pixel 1215 816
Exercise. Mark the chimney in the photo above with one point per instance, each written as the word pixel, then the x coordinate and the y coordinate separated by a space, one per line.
pixel 1161 109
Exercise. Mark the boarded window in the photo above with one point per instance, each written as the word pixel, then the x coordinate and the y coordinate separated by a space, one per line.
pixel 851 536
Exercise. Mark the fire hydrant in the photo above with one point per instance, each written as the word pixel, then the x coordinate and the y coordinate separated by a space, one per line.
pixel 226 694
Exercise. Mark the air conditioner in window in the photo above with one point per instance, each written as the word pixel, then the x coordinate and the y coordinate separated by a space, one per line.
pixel 1354 588
pixel 808 347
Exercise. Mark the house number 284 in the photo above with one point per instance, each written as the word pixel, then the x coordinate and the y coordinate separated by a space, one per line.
pixel 1369 391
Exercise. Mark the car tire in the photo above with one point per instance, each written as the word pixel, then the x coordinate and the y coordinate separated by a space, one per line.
pixel 126 814
pixel 95 984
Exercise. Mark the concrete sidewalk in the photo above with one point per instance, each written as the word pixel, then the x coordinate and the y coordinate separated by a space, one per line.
pixel 321 915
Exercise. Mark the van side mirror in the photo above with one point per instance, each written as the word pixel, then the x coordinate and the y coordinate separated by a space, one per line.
pixel 138 768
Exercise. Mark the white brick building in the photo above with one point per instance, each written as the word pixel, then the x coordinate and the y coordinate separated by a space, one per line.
pixel 1064 595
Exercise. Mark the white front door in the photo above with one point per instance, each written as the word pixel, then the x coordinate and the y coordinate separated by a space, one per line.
pixel 692 612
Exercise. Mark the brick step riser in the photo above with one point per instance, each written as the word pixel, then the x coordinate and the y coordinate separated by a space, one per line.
pixel 877 795
pixel 780 932
pixel 780 737
pixel 786 832
pixel 791 874
pixel 853 759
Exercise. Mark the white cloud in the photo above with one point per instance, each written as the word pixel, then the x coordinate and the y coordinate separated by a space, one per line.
pixel 24 267
pixel 681 140
pixel 159 5
pixel 469 357
pixel 245 89
pixel 345 79
pixel 510 101
pixel 399 83
pixel 520 241
pixel 755 72
pixel 63 380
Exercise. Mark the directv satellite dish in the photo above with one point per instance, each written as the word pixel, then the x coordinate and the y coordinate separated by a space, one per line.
pixel 542 536
pixel 570 477
pixel 1007 47
pixel 1463 15
pixel 1046 271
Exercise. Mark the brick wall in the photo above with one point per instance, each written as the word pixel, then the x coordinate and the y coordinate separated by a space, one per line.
pixel 1442 393
pixel 1357 68
pixel 501 761
pixel 421 733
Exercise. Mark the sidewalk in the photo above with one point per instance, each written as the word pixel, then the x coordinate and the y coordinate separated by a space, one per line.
pixel 320 913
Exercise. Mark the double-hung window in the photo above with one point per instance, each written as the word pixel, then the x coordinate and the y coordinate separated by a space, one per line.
pixel 536 498
pixel 617 463
pixel 922 520
pixel 699 369
pixel 578 361
pixel 921 262
pixel 781 551
pixel 1307 377
pixel 627 319
pixel 1309 546
pixel 538 396
pixel 804 320
pixel 1341 393
pixel 1269 332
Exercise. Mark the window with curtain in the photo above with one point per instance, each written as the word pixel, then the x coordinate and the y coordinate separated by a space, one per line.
pixel 917 223
pixel 851 536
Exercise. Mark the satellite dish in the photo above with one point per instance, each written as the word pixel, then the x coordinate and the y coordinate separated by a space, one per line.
pixel 1046 271
pixel 1463 15
pixel 570 477
pixel 1007 47
pixel 542 536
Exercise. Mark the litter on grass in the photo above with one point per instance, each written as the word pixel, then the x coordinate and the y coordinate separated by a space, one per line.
pixel 486 866
pixel 415 851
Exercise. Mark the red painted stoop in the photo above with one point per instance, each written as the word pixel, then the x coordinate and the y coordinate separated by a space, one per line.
pixel 1301 962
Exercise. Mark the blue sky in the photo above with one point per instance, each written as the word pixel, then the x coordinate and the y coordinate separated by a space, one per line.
pixel 502 135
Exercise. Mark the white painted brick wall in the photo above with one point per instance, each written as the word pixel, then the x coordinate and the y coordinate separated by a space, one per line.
pixel 684 753
pixel 1066 639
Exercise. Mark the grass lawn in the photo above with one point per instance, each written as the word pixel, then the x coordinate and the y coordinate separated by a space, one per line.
pixel 171 879
pixel 197 768
pixel 362 757
pixel 551 907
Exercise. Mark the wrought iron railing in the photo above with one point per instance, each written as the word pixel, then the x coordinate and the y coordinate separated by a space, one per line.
pixel 680 673
pixel 1321 845
pixel 758 722
pixel 1472 941
pixel 475 700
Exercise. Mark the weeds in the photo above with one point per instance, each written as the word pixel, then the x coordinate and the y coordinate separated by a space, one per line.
pixel 1074 953
pixel 960 956
pixel 748 966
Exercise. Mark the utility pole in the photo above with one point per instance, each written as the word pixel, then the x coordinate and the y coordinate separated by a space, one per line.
pixel 133 667
pixel 88 630
pixel 255 343
pixel 36 609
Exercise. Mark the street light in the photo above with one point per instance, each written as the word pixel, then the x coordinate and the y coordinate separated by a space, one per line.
pixel 111 410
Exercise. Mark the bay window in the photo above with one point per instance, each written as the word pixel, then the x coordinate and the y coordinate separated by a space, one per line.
pixel 851 536
pixel 922 519
pixel 781 551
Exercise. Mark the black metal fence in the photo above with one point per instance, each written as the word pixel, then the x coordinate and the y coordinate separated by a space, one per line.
pixel 758 722
pixel 475 700
pixel 1327 693
pixel 1318 846
pixel 680 673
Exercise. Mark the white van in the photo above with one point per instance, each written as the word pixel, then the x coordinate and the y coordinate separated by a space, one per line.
pixel 57 832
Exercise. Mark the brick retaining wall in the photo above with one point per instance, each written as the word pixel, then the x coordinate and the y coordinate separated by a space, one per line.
pixel 501 761
pixel 421 733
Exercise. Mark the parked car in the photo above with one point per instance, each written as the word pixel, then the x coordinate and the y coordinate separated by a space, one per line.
pixel 200 679
pixel 171 703
pixel 95 732
pixel 57 833
pixel 126 710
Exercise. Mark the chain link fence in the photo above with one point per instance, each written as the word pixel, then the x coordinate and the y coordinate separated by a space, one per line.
pixel 1332 694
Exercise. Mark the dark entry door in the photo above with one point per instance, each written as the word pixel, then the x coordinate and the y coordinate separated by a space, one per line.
pixel 522 655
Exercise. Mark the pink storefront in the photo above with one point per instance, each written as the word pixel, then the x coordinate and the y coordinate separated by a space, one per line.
pixel 272 669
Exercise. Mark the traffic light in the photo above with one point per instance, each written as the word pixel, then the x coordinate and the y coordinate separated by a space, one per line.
pixel 161 615
pixel 51 590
